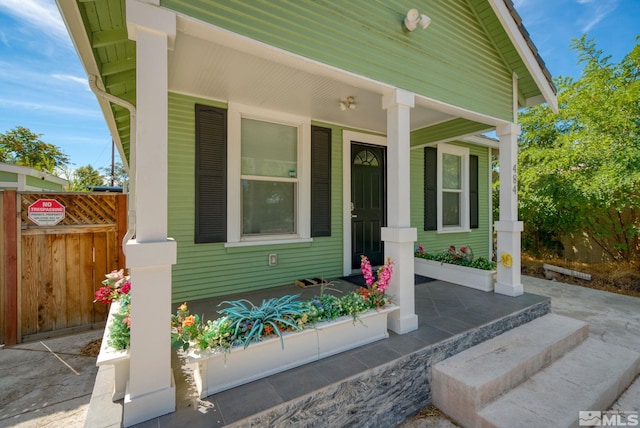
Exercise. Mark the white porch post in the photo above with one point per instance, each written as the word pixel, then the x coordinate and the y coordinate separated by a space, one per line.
pixel 399 237
pixel 508 227
pixel 151 389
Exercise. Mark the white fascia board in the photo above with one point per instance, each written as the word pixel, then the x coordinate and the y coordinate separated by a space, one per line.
pixel 518 40
pixel 27 171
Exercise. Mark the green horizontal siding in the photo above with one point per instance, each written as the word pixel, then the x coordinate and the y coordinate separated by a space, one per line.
pixel 8 176
pixel 477 239
pixel 42 184
pixel 453 60
pixel 206 270
pixel 442 131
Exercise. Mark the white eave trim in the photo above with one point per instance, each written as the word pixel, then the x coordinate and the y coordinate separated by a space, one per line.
pixel 518 40
pixel 75 27
pixel 27 171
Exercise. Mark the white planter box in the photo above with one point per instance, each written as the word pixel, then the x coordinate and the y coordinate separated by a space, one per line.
pixel 469 277
pixel 215 372
pixel 118 359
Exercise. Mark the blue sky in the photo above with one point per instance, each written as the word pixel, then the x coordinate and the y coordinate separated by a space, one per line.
pixel 43 86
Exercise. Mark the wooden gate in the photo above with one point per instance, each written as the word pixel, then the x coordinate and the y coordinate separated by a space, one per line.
pixel 60 267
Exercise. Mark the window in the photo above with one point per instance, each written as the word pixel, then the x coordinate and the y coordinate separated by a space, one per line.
pixel 261 177
pixel 450 189
pixel 453 192
pixel 269 178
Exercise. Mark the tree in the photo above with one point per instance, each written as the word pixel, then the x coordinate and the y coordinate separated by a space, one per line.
pixel 580 168
pixel 20 146
pixel 117 177
pixel 85 177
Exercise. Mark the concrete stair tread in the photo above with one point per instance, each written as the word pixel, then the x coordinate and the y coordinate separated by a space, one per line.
pixel 590 377
pixel 463 384
pixel 500 355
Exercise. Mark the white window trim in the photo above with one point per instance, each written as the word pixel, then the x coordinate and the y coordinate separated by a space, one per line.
pixel 463 152
pixel 235 114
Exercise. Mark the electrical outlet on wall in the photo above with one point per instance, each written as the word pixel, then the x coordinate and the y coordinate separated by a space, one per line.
pixel 273 259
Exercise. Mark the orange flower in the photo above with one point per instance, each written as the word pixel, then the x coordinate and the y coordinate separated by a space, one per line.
pixel 189 321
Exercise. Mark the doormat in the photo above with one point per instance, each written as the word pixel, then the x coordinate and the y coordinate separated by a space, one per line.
pixel 359 279
pixel 311 282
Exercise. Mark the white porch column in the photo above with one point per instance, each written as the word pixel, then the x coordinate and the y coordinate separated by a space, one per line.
pixel 399 237
pixel 151 389
pixel 508 227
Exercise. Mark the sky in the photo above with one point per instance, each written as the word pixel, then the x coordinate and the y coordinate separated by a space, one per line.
pixel 43 85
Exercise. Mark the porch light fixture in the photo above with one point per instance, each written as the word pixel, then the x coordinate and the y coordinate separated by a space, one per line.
pixel 348 103
pixel 414 18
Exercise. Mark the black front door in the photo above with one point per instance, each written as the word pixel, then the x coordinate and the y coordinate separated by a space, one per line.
pixel 368 203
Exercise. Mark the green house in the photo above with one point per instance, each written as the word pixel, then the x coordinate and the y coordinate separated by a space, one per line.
pixel 23 178
pixel 269 141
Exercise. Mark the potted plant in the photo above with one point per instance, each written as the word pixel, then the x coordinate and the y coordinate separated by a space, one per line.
pixel 250 341
pixel 458 266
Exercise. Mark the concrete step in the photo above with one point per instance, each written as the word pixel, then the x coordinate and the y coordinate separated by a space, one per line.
pixel 463 384
pixel 588 378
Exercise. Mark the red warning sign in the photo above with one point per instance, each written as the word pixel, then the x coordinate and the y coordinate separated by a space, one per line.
pixel 46 212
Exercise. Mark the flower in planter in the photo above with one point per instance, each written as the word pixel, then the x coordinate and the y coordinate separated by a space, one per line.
pixel 116 288
pixel 116 285
pixel 243 323
pixel 384 274
pixel 462 257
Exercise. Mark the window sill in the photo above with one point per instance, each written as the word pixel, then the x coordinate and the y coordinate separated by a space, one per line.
pixel 454 230
pixel 270 241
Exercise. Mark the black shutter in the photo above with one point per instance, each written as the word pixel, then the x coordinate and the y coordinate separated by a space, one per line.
pixel 211 174
pixel 473 192
pixel 320 181
pixel 430 188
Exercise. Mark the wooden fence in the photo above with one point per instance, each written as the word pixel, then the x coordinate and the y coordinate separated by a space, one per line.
pixel 52 272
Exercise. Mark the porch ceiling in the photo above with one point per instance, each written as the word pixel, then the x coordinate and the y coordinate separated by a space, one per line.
pixel 210 63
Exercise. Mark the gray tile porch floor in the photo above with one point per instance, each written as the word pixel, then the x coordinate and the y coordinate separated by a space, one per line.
pixel 444 310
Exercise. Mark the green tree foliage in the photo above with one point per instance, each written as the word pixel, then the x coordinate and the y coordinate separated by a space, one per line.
pixel 20 146
pixel 84 177
pixel 119 176
pixel 580 168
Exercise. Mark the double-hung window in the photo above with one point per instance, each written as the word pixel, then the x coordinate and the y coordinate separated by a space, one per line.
pixel 269 178
pixel 453 188
pixel 269 167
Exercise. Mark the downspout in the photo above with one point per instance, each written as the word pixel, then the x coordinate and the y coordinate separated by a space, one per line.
pixel 131 224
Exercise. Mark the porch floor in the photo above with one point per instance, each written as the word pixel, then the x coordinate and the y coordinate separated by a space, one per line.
pixel 451 318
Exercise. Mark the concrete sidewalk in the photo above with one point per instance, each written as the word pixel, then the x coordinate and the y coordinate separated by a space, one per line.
pixel 47 383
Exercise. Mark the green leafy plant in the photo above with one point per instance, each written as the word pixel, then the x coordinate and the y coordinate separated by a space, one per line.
pixel 120 330
pixel 461 257
pixel 272 315
pixel 243 323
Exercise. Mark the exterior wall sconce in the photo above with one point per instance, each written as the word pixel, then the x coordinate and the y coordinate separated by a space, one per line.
pixel 414 18
pixel 348 103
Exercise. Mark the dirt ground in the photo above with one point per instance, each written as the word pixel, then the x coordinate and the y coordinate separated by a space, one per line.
pixel 619 277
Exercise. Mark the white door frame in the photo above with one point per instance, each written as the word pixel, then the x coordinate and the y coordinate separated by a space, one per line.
pixel 349 137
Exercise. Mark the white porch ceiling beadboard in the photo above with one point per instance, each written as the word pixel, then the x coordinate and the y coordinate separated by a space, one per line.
pixel 204 68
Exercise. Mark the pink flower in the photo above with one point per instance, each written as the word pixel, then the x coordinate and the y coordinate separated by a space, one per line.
pixel 126 287
pixel 463 249
pixel 365 267
pixel 420 249
pixel 384 275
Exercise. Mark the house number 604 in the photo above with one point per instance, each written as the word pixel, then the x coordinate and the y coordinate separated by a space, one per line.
pixel 515 179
